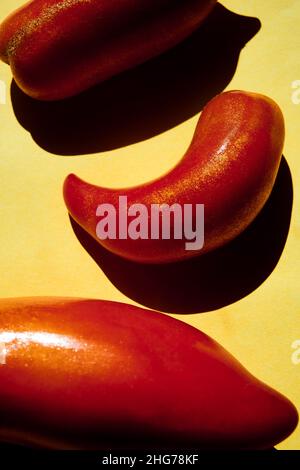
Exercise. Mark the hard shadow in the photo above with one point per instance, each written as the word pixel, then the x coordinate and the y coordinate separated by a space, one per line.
pixel 211 281
pixel 145 101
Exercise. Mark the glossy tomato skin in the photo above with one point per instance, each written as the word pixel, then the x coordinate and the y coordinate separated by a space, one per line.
pixel 80 374
pixel 230 167
pixel 58 48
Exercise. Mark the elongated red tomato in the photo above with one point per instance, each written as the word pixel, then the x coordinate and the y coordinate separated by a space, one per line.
pixel 58 48
pixel 230 167
pixel 84 374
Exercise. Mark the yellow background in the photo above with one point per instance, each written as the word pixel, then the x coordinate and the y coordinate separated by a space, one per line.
pixel 40 254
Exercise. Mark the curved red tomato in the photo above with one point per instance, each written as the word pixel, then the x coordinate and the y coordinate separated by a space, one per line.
pixel 58 48
pixel 230 167
pixel 84 374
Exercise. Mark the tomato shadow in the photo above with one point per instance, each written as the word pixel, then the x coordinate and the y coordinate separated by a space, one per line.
pixel 145 101
pixel 211 281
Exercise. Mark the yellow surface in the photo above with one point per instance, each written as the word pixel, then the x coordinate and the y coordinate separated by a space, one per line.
pixel 40 254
